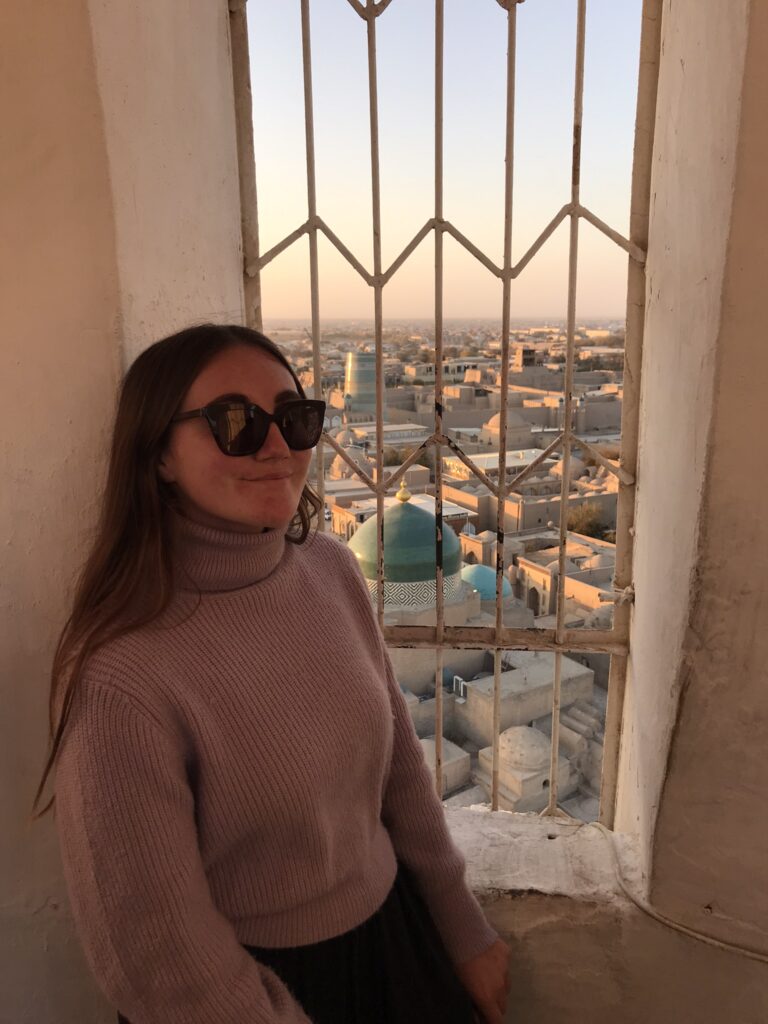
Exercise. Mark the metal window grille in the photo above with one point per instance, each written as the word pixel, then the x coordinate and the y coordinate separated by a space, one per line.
pixel 497 638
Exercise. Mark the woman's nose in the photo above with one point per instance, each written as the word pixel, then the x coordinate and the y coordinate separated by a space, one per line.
pixel 274 443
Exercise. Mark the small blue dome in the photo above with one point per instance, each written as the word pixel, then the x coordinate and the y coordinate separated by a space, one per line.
pixel 483 579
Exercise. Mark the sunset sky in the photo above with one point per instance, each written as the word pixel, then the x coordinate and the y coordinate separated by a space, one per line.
pixel 475 67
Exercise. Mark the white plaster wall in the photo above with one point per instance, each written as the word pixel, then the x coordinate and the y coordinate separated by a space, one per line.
pixel 165 83
pixel 692 189
pixel 710 857
pixel 120 210
pixel 60 363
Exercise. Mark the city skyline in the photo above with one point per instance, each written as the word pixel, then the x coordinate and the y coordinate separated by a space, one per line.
pixel 475 48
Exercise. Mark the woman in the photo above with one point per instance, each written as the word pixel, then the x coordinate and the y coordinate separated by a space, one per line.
pixel 248 829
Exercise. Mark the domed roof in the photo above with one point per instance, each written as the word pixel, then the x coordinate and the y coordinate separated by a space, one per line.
pixel 514 419
pixel 577 468
pixel 525 747
pixel 345 437
pixel 340 468
pixel 601 617
pixel 600 560
pixel 409 544
pixel 483 578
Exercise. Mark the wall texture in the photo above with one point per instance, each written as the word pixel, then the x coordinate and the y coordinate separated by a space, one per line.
pixel 711 848
pixel 59 289
pixel 121 222
pixel 165 83
pixel 692 186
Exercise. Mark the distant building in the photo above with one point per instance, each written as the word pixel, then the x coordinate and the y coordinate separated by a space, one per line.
pixel 360 382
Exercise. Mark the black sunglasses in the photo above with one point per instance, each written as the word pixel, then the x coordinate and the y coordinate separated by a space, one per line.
pixel 240 428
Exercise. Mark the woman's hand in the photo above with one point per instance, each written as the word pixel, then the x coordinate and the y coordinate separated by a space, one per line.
pixel 486 978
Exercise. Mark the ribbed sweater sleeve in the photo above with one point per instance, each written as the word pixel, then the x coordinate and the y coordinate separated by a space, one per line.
pixel 414 816
pixel 155 941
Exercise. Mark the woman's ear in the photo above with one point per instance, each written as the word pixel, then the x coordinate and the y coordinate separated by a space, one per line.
pixel 165 471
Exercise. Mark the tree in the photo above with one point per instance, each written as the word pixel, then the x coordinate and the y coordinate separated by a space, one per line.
pixel 425 459
pixel 586 519
pixel 391 456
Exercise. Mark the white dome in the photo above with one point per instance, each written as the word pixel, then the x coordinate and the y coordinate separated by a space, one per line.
pixel 340 468
pixel 601 560
pixel 345 437
pixel 577 468
pixel 600 618
pixel 514 419
pixel 525 747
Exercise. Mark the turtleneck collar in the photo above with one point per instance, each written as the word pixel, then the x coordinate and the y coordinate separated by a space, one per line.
pixel 212 559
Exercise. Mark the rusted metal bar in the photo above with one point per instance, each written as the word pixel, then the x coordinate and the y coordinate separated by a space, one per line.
pixel 314 287
pixel 391 479
pixel 472 248
pixel 509 163
pixel 373 105
pixel 414 243
pixel 518 478
pixel 253 268
pixel 553 225
pixel 439 526
pixel 511 638
pixel 334 239
pixel 467 460
pixel 634 250
pixel 578 93
pixel 618 471
pixel 367 480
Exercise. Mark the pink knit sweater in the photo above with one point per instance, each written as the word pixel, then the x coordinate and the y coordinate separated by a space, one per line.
pixel 245 771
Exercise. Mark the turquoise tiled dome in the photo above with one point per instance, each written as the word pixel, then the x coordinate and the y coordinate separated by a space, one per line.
pixel 483 578
pixel 409 544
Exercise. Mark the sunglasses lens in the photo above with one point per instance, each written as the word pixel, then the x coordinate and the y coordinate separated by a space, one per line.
pixel 302 425
pixel 237 433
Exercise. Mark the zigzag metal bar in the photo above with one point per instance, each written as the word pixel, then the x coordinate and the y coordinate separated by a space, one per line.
pixel 373 10
pixel 483 477
pixel 253 268
pixel 391 479
pixel 334 239
pixel 413 244
pixel 581 211
pixel 350 462
pixel 524 473
pixel 634 251
pixel 548 230
pixel 470 247
pixel 618 471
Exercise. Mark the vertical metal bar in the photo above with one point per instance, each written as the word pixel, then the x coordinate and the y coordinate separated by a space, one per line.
pixel 509 163
pixel 373 102
pixel 439 526
pixel 647 87
pixel 246 163
pixel 578 93
pixel 309 137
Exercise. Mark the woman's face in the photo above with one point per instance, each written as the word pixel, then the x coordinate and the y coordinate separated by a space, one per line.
pixel 248 492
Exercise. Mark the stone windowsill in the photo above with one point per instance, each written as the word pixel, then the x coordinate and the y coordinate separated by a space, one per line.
pixel 510 853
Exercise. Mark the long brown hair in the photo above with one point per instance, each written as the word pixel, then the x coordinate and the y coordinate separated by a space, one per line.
pixel 127 579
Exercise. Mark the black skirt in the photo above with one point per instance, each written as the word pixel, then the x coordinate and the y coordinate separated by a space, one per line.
pixel 391 969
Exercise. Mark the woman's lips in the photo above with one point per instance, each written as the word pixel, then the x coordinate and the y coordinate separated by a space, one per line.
pixel 258 480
